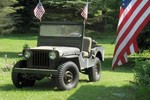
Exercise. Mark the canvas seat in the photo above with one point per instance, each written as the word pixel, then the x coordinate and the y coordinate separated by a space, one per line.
pixel 87 44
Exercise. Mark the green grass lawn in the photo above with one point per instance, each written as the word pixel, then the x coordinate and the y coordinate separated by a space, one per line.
pixel 114 85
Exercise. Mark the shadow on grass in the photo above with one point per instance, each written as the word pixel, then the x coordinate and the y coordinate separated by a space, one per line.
pixel 89 92
pixel 127 68
pixel 42 85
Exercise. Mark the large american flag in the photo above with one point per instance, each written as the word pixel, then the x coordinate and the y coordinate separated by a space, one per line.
pixel 134 15
pixel 84 12
pixel 39 10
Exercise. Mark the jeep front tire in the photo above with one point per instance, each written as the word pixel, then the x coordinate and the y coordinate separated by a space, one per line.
pixel 68 76
pixel 19 79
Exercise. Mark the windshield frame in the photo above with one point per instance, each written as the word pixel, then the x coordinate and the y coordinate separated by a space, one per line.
pixel 66 29
pixel 61 41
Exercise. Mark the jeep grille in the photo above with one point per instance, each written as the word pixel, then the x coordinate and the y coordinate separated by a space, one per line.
pixel 40 59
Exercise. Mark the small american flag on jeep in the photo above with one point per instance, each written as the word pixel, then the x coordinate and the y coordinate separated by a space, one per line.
pixel 84 12
pixel 39 10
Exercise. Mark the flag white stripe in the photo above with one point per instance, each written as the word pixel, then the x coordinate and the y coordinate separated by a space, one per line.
pixel 119 62
pixel 128 8
pixel 84 13
pixel 124 28
pixel 131 33
pixel 125 57
pixel 132 49
pixel 39 10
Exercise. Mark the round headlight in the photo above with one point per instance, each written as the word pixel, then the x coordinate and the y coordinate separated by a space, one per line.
pixel 52 55
pixel 27 54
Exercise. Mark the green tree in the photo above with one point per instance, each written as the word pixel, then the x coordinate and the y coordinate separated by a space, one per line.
pixel 54 10
pixel 144 39
pixel 27 19
pixel 101 13
pixel 6 16
pixel 105 14
pixel 64 9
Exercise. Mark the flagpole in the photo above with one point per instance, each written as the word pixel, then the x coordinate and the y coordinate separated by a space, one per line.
pixel 84 22
pixel 40 18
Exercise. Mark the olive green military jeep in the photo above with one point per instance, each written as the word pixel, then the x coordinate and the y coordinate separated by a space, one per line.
pixel 62 52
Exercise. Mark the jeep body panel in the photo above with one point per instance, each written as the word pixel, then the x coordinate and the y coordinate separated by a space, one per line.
pixel 89 62
pixel 63 51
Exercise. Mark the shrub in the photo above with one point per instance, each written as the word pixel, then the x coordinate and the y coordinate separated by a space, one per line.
pixel 142 72
pixel 7 16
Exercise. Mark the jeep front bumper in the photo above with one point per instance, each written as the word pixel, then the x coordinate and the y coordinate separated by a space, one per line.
pixel 36 71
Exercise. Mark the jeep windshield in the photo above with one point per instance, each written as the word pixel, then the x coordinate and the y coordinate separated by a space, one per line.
pixel 58 30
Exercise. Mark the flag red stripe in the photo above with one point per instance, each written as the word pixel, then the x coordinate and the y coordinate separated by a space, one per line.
pixel 130 27
pixel 137 32
pixel 120 56
pixel 124 11
pixel 125 17
pixel 121 11
pixel 147 19
pixel 128 15
pixel 39 10
pixel 126 39
pixel 84 12
pixel 132 23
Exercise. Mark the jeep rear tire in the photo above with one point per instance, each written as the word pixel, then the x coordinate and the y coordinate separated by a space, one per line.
pixel 95 71
pixel 19 79
pixel 68 76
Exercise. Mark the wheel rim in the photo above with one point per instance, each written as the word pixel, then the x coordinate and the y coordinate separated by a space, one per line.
pixel 68 77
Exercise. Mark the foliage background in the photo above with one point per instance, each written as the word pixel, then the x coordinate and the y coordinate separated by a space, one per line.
pixel 102 17
pixel 7 13
pixel 102 14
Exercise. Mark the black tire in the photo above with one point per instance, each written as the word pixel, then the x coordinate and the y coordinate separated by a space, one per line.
pixel 19 79
pixel 94 72
pixel 68 76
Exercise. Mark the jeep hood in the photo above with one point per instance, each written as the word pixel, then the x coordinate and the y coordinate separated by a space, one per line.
pixel 63 51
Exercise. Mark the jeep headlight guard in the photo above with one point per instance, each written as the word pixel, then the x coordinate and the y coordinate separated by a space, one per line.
pixel 52 55
pixel 27 54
